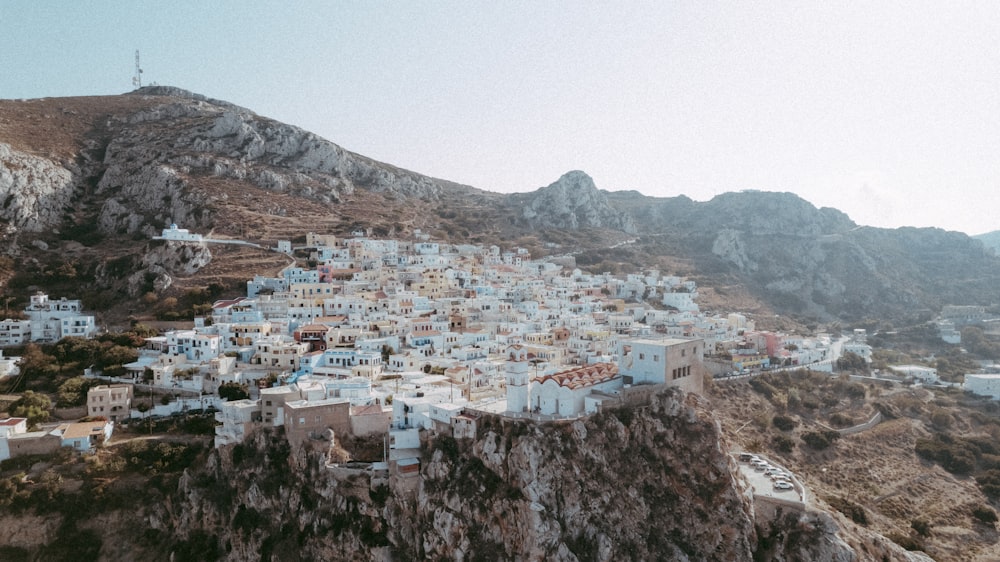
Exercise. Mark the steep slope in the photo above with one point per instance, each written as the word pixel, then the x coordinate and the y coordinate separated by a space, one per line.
pixel 111 171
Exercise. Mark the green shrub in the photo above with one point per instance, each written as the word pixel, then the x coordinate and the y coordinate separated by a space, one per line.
pixel 989 483
pixel 984 514
pixel 921 526
pixel 783 443
pixel 784 423
pixel 820 440
pixel 907 542
pixel 955 456
pixel 33 406
pixel 841 420
pixel 233 391
pixel 852 510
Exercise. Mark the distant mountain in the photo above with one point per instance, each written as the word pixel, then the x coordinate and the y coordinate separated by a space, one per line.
pixel 86 181
pixel 991 240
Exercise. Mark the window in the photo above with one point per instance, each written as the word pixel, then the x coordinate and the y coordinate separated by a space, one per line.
pixel 656 359
pixel 642 356
pixel 683 351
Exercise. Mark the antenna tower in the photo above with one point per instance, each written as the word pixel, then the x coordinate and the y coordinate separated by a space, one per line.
pixel 137 79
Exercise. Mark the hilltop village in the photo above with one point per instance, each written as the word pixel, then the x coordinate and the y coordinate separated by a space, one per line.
pixel 391 337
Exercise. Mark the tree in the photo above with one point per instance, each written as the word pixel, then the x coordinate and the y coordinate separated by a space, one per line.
pixel 852 362
pixel 38 369
pixel 233 391
pixel 33 406
pixel 113 359
pixel 73 392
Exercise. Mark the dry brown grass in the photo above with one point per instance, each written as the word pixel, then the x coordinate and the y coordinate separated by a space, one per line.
pixel 56 127
pixel 878 469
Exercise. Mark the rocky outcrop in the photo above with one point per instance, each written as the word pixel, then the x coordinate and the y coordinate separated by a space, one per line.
pixel 34 191
pixel 651 481
pixel 816 262
pixel 149 166
pixel 646 483
pixel 572 202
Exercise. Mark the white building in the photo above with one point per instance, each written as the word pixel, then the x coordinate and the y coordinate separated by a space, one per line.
pixel 683 302
pixel 236 419
pixel 180 234
pixel 918 372
pixel 858 345
pixel 53 320
pixel 8 365
pixel 195 346
pixel 14 332
pixel 564 393
pixel 672 361
pixel 983 385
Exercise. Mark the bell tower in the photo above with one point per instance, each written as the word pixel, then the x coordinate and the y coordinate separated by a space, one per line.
pixel 518 377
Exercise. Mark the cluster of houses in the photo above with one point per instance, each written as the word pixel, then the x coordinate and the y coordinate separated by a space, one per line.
pixel 16 440
pixel 387 336
pixel 47 321
pixel 404 335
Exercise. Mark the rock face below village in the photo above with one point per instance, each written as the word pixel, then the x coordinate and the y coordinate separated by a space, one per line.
pixel 633 484
pixel 649 482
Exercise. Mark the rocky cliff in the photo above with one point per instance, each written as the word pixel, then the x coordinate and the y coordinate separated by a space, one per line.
pixel 571 202
pixel 155 160
pixel 651 481
pixel 816 263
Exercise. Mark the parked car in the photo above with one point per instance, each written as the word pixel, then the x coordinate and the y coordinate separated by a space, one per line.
pixel 783 485
pixel 780 476
pixel 746 457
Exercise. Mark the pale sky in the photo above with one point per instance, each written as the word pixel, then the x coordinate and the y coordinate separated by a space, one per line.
pixel 888 111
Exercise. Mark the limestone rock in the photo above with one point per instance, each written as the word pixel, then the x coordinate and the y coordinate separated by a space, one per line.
pixel 33 191
pixel 573 202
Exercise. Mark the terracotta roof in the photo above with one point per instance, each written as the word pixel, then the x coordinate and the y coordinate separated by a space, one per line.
pixel 12 421
pixel 579 377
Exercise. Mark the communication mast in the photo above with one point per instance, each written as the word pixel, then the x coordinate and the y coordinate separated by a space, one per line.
pixel 137 79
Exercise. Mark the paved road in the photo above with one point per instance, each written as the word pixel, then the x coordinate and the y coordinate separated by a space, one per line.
pixel 117 439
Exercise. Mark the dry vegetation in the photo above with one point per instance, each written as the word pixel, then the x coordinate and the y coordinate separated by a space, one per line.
pixel 57 126
pixel 875 477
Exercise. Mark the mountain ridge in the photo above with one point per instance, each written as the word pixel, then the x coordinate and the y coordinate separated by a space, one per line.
pixel 117 169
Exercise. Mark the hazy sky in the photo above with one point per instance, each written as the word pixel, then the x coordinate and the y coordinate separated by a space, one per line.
pixel 887 111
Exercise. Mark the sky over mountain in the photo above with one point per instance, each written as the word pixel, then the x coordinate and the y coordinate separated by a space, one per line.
pixel 887 111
